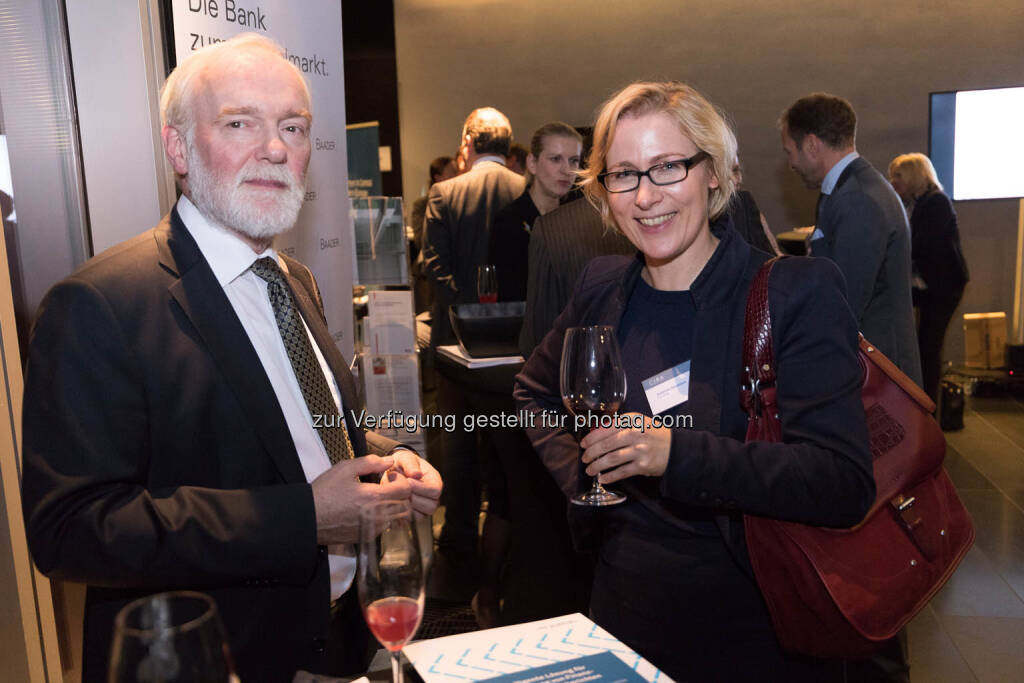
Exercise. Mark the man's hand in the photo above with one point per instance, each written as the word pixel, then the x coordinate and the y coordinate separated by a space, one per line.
pixel 424 481
pixel 627 452
pixel 338 495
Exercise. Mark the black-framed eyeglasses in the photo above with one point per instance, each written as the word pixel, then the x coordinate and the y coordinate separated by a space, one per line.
pixel 665 173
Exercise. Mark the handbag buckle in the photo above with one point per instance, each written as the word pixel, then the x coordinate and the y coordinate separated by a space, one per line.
pixel 903 507
pixel 924 536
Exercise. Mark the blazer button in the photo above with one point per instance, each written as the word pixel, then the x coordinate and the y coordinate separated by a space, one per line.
pixel 702 496
pixel 319 645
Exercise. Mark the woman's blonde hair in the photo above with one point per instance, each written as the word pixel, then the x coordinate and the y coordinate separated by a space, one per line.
pixel 698 119
pixel 917 172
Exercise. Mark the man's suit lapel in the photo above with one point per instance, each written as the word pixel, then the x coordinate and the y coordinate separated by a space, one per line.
pixel 822 220
pixel 204 303
pixel 311 311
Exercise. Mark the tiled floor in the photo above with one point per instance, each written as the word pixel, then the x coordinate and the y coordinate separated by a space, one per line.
pixel 973 630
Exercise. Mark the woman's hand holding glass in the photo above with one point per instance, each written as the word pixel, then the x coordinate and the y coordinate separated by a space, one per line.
pixel 613 454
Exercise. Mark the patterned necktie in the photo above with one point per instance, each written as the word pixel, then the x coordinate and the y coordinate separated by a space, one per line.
pixel 307 368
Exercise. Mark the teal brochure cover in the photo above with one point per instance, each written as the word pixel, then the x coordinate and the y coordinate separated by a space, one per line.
pixel 604 667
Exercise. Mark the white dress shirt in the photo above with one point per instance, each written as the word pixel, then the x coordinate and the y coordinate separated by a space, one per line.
pixel 828 183
pixel 496 158
pixel 230 258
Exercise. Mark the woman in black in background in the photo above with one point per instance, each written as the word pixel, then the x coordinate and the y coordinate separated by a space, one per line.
pixel 551 169
pixel 940 272
pixel 673 579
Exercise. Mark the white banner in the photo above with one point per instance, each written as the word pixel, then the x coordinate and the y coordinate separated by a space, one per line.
pixel 310 33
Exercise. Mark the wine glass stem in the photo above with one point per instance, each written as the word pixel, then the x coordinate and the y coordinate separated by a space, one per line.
pixel 597 488
pixel 396 667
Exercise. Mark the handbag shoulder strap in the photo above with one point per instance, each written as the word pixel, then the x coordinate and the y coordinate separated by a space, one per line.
pixel 758 355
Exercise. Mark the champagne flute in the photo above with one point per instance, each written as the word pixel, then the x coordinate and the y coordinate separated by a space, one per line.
pixel 487 284
pixel 170 637
pixel 593 383
pixel 390 576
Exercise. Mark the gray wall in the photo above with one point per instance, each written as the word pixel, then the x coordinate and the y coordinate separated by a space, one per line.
pixel 538 61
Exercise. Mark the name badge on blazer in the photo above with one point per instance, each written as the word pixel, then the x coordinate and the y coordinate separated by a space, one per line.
pixel 668 388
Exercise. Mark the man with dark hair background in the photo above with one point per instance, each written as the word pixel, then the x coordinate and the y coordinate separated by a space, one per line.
pixel 860 223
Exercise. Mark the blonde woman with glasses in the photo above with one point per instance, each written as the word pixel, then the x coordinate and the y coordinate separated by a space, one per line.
pixel 672 578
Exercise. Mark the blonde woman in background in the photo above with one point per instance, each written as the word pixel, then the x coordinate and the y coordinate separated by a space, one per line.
pixel 940 272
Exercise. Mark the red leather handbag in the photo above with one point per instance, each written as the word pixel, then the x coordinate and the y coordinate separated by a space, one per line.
pixel 840 592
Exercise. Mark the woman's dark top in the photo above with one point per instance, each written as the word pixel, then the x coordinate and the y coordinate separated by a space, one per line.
pixel 510 246
pixel 646 351
pixel 935 245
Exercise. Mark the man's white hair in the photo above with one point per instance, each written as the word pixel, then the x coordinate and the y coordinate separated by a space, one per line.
pixel 176 97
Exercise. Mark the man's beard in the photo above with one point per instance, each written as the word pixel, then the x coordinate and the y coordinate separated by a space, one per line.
pixel 236 206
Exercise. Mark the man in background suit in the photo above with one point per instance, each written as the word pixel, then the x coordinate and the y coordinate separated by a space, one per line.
pixel 187 416
pixel 561 244
pixel 860 223
pixel 460 212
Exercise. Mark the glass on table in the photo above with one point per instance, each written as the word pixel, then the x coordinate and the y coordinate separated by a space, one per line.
pixel 170 637
pixel 487 283
pixel 390 576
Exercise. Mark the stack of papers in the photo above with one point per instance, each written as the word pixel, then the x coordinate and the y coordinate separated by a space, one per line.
pixel 561 648
pixel 456 353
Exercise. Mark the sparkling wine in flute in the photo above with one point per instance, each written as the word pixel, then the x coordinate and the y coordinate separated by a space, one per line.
pixel 390 576
pixel 393 621
pixel 592 383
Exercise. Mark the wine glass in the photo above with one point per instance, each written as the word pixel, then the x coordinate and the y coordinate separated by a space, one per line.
pixel 487 283
pixel 170 637
pixel 593 383
pixel 390 576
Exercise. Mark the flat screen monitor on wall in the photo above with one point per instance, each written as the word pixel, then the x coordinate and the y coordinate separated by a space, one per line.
pixel 976 142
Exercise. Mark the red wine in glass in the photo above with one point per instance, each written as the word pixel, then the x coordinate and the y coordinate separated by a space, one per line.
pixel 487 284
pixel 592 381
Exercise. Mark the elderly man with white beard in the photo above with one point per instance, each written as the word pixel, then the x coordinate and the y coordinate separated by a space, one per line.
pixel 187 417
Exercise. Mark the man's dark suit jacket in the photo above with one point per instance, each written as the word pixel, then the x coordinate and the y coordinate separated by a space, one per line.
pixel 510 246
pixel 561 244
pixel 156 456
pixel 865 232
pixel 460 212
